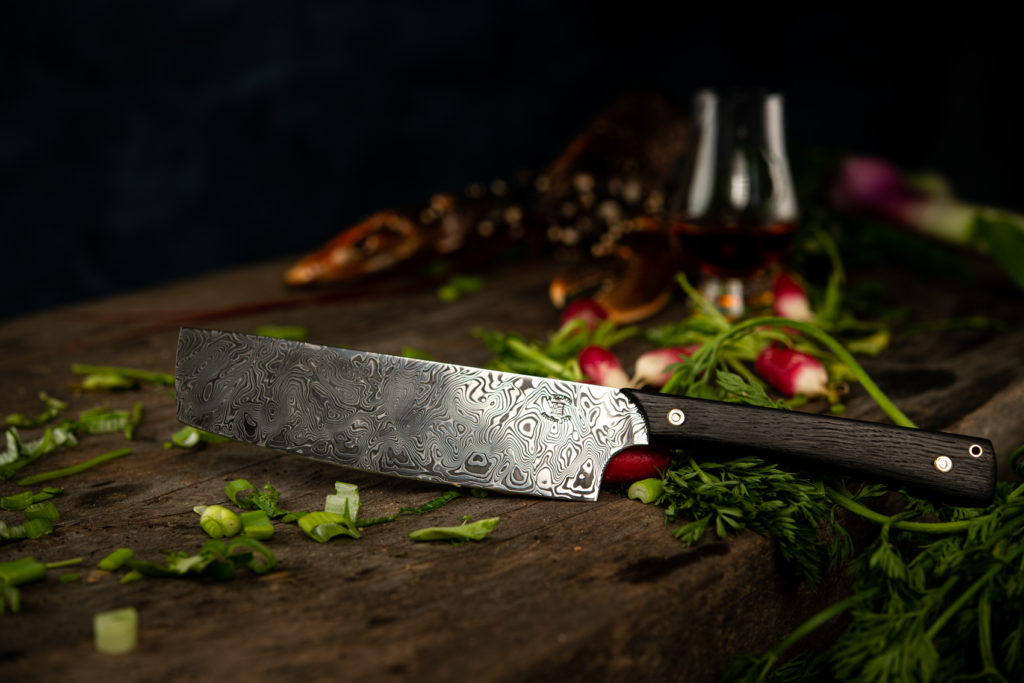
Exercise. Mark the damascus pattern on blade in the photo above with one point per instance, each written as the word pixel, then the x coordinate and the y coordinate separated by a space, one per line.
pixel 404 417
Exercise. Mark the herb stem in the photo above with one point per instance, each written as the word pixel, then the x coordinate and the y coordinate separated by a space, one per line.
pixel 525 351
pixel 844 356
pixel 808 627
pixel 63 563
pixel 74 469
pixel 163 378
pixel 962 599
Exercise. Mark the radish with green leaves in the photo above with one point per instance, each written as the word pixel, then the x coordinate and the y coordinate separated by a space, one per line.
pixel 791 299
pixel 603 367
pixel 655 368
pixel 876 188
pixel 587 310
pixel 792 372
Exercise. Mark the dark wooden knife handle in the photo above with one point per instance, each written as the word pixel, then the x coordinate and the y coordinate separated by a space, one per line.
pixel 947 468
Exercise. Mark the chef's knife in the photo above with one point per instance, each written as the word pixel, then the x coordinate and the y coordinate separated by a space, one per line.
pixel 520 434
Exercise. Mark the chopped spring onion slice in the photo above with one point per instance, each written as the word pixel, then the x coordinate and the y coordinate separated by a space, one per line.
pixel 646 490
pixel 53 406
pixel 117 631
pixel 132 576
pixel 114 560
pixel 44 510
pixel 16 501
pixel 20 501
pixel 256 524
pixel 17 572
pixel 471 531
pixel 69 577
pixel 234 490
pixel 18 454
pixel 103 420
pixel 322 526
pixel 107 381
pixel 190 437
pixel 217 558
pixel 74 469
pixel 133 423
pixel 218 521
pixel 162 378
pixel 344 501
pixel 32 528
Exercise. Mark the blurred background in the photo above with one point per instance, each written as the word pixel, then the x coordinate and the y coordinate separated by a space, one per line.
pixel 144 142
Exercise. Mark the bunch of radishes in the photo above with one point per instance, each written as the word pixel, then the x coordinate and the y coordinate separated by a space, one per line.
pixel 788 370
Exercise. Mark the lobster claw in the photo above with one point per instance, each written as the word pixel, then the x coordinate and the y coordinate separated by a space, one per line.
pixel 380 242
pixel 634 280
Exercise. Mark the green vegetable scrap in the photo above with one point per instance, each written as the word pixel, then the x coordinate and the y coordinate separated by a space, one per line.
pixel 467 531
pixel 75 469
pixel 18 454
pixel 429 506
pixel 103 420
pixel 218 521
pixel 218 559
pixel 190 437
pixel 20 501
pixel 44 510
pixel 322 526
pixel 116 559
pixel 116 632
pixel 119 377
pixel 246 496
pixel 418 354
pixel 344 501
pixel 52 407
pixel 26 570
pixel 256 524
pixel 290 332
pixel 459 286
pixel 646 490
pixel 30 529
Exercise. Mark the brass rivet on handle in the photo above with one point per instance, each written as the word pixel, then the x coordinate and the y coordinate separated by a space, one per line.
pixel 676 416
pixel 975 450
pixel 943 463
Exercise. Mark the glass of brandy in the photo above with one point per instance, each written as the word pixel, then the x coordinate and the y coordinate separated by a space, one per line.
pixel 734 206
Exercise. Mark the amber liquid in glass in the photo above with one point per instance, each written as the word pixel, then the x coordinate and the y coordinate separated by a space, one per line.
pixel 732 249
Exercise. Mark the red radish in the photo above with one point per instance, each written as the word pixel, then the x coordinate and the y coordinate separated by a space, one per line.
pixel 586 309
pixel 651 368
pixel 791 300
pixel 792 372
pixel 602 366
pixel 635 463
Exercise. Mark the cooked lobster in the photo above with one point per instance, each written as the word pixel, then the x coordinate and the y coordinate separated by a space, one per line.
pixel 600 199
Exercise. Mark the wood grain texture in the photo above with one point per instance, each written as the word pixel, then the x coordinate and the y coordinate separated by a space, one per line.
pixel 869 451
pixel 559 591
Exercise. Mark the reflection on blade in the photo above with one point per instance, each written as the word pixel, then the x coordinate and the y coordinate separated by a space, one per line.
pixel 410 418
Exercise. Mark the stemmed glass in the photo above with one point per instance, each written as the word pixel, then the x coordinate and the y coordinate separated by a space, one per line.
pixel 734 207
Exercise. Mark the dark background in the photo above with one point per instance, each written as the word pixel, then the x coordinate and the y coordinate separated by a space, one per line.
pixel 142 142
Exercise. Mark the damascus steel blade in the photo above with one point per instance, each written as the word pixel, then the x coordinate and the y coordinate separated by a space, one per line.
pixel 409 418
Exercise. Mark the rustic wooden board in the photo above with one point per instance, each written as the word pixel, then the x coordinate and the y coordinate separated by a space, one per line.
pixel 558 591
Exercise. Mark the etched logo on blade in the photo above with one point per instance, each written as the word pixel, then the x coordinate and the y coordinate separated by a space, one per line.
pixel 556 407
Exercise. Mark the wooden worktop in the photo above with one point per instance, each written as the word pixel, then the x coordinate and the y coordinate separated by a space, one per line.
pixel 559 591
